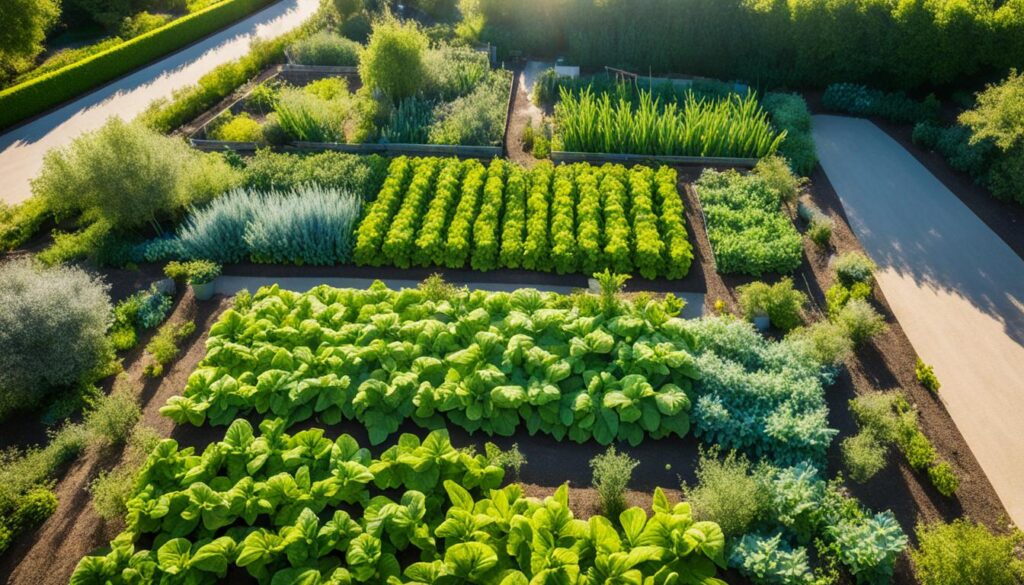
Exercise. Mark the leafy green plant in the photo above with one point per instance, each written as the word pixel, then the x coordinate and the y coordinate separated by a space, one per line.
pixel 612 473
pixel 897 107
pixel 111 418
pixel 780 302
pixel 819 231
pixel 164 346
pixel 193 272
pixel 746 227
pixel 325 48
pixel 838 295
pixel 925 374
pixel 271 171
pixel 944 478
pixel 860 321
pixel 393 60
pixel 311 118
pixel 966 552
pixel 240 128
pixel 789 112
pixel 475 119
pixel 827 342
pixel 863 456
pixel 770 561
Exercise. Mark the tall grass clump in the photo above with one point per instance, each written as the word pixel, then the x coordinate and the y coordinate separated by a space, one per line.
pixel 733 126
pixel 308 117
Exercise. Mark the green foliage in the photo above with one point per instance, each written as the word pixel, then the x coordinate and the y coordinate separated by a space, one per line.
pixel 863 456
pixel 253 504
pixel 475 119
pixel 141 23
pixel 955 145
pixel 270 171
pixel 193 272
pixel 860 321
pixel 24 25
pixel 325 48
pixel 540 219
pixel 1007 174
pixel 110 419
pixel 393 60
pixel 926 376
pixel 164 346
pixel 409 122
pixel 308 117
pixel 869 548
pixel 771 561
pixel 966 552
pixel 794 44
pixel 240 128
pixel 310 225
pixel 729 492
pixel 746 227
pixel 819 231
pixel 896 107
pixel 512 459
pixel 789 113
pixel 837 296
pixel 944 478
pixel 53 325
pixel 827 342
pixel 20 222
pixel 612 472
pixel 777 174
pixel 128 176
pixel 854 267
pixel 453 72
pixel 111 490
pixel 996 119
pixel 732 127
pixel 780 302
pixel 41 93
pixel 484 375
pixel 143 310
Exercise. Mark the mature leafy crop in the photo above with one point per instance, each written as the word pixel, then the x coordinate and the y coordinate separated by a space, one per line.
pixel 270 505
pixel 746 227
pixel 568 219
pixel 484 361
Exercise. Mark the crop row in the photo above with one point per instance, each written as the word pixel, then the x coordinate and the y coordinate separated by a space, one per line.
pixel 747 228
pixel 569 218
pixel 499 362
pixel 269 505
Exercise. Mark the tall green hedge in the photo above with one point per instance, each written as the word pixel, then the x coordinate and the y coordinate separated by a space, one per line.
pixel 37 95
pixel 901 44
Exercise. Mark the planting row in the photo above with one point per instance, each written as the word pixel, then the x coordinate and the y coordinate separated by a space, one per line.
pixel 583 367
pixel 569 218
pixel 270 505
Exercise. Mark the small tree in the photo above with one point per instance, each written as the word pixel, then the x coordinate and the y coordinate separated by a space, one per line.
pixel 393 59
pixel 23 28
pixel 612 472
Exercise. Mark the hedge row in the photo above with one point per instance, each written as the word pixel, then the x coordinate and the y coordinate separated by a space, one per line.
pixel 37 95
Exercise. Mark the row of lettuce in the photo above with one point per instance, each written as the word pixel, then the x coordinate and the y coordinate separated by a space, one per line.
pixel 583 367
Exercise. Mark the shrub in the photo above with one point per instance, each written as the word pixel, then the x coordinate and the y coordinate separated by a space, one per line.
pixel 729 491
pixel 1007 175
pixel 789 112
pixel 477 119
pixel 860 320
pixel 771 561
pixel 53 325
pixel 944 478
pixel 164 345
pixel 20 222
pixel 780 301
pixel 837 296
pixel 828 342
pixel 869 548
pixel 193 272
pixel 897 107
pixel 853 267
pixel 963 552
pixel 240 128
pixel 270 171
pixel 820 231
pixel 111 418
pixel 325 48
pixel 41 93
pixel 453 72
pixel 863 456
pixel 541 147
pixel 926 376
pixel 393 60
pixel 612 472
pixel 777 175
pixel 129 176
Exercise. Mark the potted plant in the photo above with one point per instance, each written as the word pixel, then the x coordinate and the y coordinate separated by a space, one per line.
pixel 199 274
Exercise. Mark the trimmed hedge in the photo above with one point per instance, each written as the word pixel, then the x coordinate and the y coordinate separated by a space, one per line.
pixel 37 95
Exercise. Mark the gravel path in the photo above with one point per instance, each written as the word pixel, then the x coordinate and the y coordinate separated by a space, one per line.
pixel 22 149
pixel 956 288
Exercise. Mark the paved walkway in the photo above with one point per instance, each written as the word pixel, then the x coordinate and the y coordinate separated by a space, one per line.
pixel 22 149
pixel 956 288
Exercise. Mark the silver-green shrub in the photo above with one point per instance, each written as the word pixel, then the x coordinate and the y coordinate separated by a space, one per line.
pixel 53 325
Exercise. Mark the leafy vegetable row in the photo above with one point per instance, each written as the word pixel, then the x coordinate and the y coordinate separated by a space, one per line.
pixel 747 229
pixel 579 366
pixel 204 516
pixel 568 219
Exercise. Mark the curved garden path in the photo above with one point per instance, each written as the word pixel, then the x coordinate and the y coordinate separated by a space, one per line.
pixel 22 148
pixel 956 288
